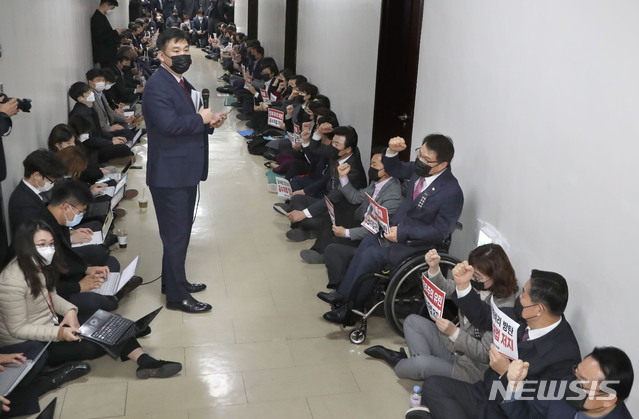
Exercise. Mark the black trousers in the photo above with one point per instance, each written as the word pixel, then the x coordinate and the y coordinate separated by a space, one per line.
pixel 337 257
pixel 174 209
pixel 449 398
pixel 84 350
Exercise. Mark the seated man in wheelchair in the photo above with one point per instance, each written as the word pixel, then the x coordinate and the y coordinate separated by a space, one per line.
pixel 428 214
pixel 440 347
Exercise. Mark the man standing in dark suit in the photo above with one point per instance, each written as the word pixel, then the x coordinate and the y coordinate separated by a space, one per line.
pixel 104 39
pixel 597 388
pixel 544 339
pixel 178 160
pixel 429 213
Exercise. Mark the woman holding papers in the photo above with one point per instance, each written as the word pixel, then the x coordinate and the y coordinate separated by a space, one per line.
pixel 30 309
pixel 440 347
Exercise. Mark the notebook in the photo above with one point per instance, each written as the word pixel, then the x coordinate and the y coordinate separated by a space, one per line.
pixel 111 331
pixel 13 373
pixel 116 280
pixel 98 236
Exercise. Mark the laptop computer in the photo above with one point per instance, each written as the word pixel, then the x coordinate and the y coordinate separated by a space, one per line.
pixel 111 331
pixel 13 373
pixel 116 280
pixel 112 190
pixel 98 209
pixel 134 139
pixel 118 176
pixel 49 411
pixel 98 236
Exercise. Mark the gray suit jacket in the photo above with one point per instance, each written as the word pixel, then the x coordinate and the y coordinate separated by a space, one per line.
pixel 107 115
pixel 471 354
pixel 390 197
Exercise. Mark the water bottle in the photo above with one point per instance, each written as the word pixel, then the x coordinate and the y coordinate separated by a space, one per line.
pixel 416 397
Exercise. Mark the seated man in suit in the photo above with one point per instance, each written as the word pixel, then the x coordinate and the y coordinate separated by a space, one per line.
pixel 544 339
pixel 102 147
pixel 111 122
pixel 307 213
pixel 384 189
pixel 597 388
pixel 69 199
pixel 125 92
pixel 428 213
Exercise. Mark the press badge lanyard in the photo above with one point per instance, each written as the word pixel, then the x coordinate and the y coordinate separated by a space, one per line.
pixel 51 307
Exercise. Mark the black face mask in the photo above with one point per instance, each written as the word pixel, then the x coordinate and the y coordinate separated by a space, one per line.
pixel 478 285
pixel 421 168
pixel 252 56
pixel 181 63
pixel 332 153
pixel 266 76
pixel 373 174
pixel 126 68
pixel 576 399
pixel 519 310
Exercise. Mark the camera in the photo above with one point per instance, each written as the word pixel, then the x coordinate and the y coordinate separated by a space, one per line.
pixel 23 104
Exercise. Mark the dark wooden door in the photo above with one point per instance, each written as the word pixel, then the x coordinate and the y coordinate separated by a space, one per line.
pixel 397 65
pixel 251 31
pixel 290 35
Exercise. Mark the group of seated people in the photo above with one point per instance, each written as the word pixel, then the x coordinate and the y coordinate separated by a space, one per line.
pixel 463 374
pixel 51 277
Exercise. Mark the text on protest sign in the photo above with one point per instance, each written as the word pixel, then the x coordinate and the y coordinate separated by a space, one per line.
pixel 284 189
pixel 378 214
pixel 331 209
pixel 275 117
pixel 434 296
pixel 265 97
pixel 248 82
pixel 504 332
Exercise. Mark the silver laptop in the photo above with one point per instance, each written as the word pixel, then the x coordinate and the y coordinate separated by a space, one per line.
pixel 135 139
pixel 98 236
pixel 13 373
pixel 116 280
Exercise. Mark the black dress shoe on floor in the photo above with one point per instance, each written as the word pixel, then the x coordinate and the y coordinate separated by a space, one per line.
pixel 342 315
pixel 158 369
pixel 312 257
pixel 333 298
pixel 110 240
pixel 300 234
pixel 68 372
pixel 195 287
pixel 190 305
pixel 391 357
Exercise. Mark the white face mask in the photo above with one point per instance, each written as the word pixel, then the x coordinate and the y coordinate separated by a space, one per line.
pixel 46 253
pixel 108 86
pixel 46 187
pixel 109 12
pixel 90 98
pixel 84 137
pixel 100 86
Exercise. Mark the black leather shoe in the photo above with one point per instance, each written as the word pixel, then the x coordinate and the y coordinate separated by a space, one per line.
pixel 129 286
pixel 391 357
pixel 190 305
pixel 333 298
pixel 158 369
pixel 342 315
pixel 68 372
pixel 195 287
pixel 110 240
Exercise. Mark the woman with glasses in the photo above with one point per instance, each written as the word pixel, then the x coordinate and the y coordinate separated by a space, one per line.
pixel 441 347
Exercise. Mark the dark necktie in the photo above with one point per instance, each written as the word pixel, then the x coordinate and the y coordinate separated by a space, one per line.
pixel 186 91
pixel 525 337
pixel 418 187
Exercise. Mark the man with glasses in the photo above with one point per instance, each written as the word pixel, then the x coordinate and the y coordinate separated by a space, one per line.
pixel 597 388
pixel 428 214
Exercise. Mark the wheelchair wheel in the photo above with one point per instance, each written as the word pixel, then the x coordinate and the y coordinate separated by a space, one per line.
pixel 357 336
pixel 404 295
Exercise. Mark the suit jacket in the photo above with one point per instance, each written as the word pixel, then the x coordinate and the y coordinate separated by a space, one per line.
pixel 177 137
pixel 122 91
pixel 5 129
pixel 106 115
pixel 551 356
pixel 554 409
pixel 104 39
pixel 24 205
pixel 97 138
pixel 430 217
pixel 200 25
pixel 389 196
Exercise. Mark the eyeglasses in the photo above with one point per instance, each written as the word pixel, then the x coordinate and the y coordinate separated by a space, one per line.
pixel 424 159
pixel 581 383
pixel 80 212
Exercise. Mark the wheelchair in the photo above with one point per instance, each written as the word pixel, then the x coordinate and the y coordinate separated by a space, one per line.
pixel 400 291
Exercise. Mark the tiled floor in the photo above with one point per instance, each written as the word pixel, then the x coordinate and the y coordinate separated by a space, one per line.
pixel 264 351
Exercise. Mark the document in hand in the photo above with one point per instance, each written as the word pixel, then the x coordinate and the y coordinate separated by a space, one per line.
pixel 265 97
pixel 376 217
pixel 331 209
pixel 248 82
pixel 434 296
pixel 275 117
pixel 284 189
pixel 504 332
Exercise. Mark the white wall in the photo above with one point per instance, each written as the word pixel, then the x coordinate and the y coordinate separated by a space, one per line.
pixel 241 15
pixel 541 100
pixel 337 51
pixel 270 30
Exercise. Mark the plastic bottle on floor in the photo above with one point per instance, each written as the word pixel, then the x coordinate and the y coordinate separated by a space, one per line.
pixel 416 397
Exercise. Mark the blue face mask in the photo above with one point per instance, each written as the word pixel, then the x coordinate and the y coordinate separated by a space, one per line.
pixel 76 220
